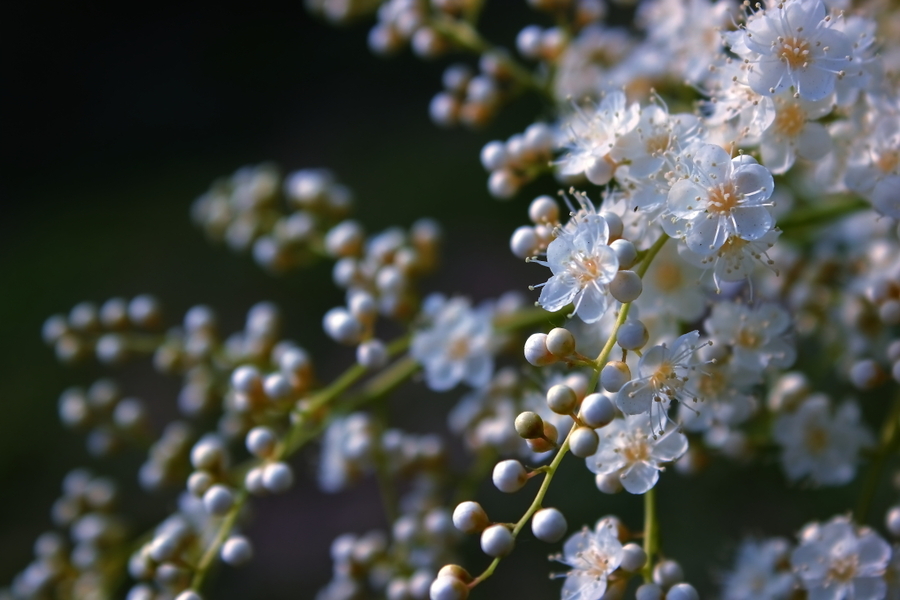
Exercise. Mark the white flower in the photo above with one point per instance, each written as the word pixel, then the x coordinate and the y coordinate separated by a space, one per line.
pixel 346 451
pixel 629 449
pixel 722 197
pixel 757 575
pixel 583 265
pixel 820 446
pixel 593 555
pixel 672 289
pixel 793 44
pixel 456 345
pixel 592 136
pixel 837 561
pixel 794 133
pixel 756 335
pixel 736 259
pixel 726 401
pixel 662 376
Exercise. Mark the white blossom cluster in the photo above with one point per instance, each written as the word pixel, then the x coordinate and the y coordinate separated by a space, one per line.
pixel 733 187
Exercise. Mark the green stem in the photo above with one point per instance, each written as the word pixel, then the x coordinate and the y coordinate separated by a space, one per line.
pixel 888 443
pixel 535 506
pixel 651 532
pixel 212 551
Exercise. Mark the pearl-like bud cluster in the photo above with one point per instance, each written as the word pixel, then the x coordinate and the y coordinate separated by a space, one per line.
pixel 113 332
pixel 471 99
pixel 518 160
pixel 282 223
pixel 167 457
pixel 162 566
pixel 379 274
pixel 109 419
pixel 95 536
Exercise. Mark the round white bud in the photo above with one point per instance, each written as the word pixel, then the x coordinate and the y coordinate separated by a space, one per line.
pixel 218 500
pixel 456 77
pixel 208 453
pixel 261 441
pixel 503 184
pixel 560 342
pixel 609 483
pixel 524 242
pixel 509 476
pixel 667 573
pixel 614 375
pixel 277 387
pixel 584 442
pixel 144 311
pixel 341 326
pixel 626 252
pixel 493 155
pixel 615 224
pixel 562 399
pixel 597 411
pixel 277 477
pixel 866 374
pixel 599 171
pixel 892 521
pixel 626 286
pixel 189 595
pixel 236 551
pixel 539 140
pixel 427 43
pixel 246 379
pixel 372 354
pixel 254 483
pixel 543 209
pixel 446 587
pixel 469 517
pixel 893 351
pixel 648 591
pixel 633 558
pixel 549 525
pixel 682 591
pixel 497 541
pixel 344 239
pixel 528 41
pixel 199 318
pixel 536 352
pixel 199 482
pixel 443 109
pixel 632 335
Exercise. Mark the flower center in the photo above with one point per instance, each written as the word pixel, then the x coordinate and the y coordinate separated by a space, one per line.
pixel 748 338
pixel 889 161
pixel 722 199
pixel 657 144
pixel 458 348
pixel 795 52
pixel 636 450
pixel 816 440
pixel 790 120
pixel 843 569
pixel 667 277
pixel 586 269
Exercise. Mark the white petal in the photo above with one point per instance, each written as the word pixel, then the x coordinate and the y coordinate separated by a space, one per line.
pixel 754 182
pixel 591 304
pixel 686 199
pixel 813 142
pixel 670 447
pixel 886 196
pixel 768 74
pixel 557 293
pixel 751 222
pixel 714 161
pixel 777 155
pixel 706 236
pixel 639 478
pixel 813 82
pixel 635 398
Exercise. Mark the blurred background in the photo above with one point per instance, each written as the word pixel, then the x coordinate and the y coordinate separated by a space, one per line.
pixel 118 115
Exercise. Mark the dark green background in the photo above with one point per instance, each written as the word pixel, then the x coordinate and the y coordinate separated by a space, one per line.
pixel 118 115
